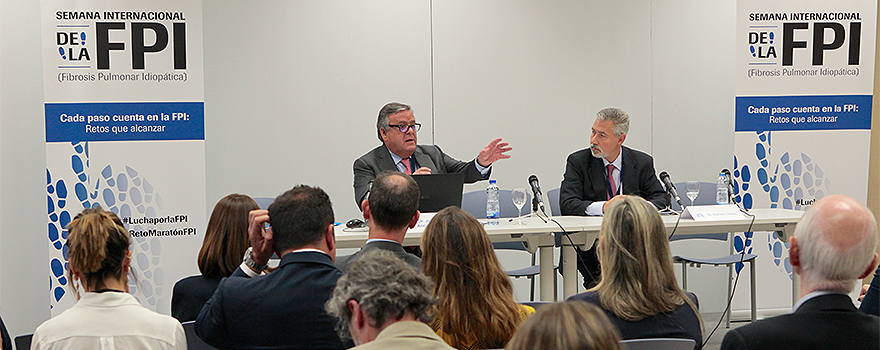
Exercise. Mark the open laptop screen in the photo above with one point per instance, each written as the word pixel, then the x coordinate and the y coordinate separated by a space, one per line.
pixel 439 191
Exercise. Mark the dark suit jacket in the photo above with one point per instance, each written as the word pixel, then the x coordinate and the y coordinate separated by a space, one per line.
pixel 281 310
pixel 680 323
pixel 584 180
pixel 871 301
pixel 394 247
pixel 190 294
pixel 824 322
pixel 370 165
pixel 7 342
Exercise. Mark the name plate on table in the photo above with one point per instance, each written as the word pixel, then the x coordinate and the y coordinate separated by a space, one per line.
pixel 424 219
pixel 712 212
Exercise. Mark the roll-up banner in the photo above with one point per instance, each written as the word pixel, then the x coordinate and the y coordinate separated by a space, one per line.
pixel 804 86
pixel 124 112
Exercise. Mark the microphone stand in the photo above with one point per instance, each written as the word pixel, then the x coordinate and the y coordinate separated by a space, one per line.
pixel 538 212
pixel 668 210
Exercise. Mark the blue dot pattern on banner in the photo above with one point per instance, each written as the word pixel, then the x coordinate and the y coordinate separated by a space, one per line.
pixel 123 193
pixel 791 179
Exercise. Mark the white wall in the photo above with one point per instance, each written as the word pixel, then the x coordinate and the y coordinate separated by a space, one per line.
pixel 292 90
pixel 24 297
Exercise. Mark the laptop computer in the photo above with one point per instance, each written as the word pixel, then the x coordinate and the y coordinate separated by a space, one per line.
pixel 439 191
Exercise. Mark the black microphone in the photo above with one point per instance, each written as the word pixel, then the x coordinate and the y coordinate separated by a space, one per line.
pixel 670 188
pixel 537 201
pixel 730 192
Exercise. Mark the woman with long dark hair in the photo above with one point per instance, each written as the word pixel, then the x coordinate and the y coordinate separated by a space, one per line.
pixel 475 307
pixel 226 240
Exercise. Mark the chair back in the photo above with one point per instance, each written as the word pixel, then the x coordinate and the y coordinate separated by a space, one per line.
pixel 553 200
pixel 23 342
pixel 536 304
pixel 193 342
pixel 658 344
pixel 475 204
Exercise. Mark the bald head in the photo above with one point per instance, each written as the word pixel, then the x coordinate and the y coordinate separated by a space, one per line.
pixel 834 243
pixel 393 200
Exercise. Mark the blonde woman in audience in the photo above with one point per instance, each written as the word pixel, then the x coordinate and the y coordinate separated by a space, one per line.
pixel 226 240
pixel 638 290
pixel 573 325
pixel 105 314
pixel 475 307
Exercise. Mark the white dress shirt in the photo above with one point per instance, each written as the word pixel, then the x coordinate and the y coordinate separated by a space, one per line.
pixel 595 208
pixel 107 321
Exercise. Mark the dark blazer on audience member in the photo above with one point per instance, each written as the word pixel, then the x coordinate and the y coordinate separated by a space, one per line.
pixel 190 294
pixel 680 323
pixel 281 310
pixel 871 301
pixel 584 180
pixel 824 322
pixel 370 165
pixel 343 262
pixel 7 342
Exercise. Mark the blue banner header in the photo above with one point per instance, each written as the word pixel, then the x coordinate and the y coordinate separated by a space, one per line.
pixel 73 122
pixel 771 113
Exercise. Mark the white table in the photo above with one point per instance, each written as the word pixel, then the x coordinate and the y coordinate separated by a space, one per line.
pixel 583 231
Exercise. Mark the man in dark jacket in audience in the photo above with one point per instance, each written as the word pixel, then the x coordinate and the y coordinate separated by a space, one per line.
pixel 285 308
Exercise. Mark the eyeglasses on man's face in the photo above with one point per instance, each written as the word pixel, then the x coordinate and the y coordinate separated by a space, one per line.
pixel 404 128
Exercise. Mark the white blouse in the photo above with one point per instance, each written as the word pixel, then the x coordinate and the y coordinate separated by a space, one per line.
pixel 109 320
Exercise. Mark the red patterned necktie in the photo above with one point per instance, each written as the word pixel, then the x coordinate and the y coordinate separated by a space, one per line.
pixel 407 169
pixel 613 188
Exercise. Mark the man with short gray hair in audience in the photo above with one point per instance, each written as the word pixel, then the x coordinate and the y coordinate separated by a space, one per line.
pixel 391 208
pixel 382 303
pixel 832 247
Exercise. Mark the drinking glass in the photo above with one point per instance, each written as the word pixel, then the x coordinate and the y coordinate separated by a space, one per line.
pixel 693 190
pixel 519 199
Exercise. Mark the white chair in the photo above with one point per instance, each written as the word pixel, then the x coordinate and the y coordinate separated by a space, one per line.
pixel 707 197
pixel 658 344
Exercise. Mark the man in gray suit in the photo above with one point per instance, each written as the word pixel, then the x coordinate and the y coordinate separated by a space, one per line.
pixel 397 129
pixel 391 208
pixel 832 247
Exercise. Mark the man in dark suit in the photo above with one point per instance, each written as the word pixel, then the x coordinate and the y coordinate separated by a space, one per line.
pixel 391 208
pixel 397 130
pixel 282 309
pixel 833 245
pixel 588 185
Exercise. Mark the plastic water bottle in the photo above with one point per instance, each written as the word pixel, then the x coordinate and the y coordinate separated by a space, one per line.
pixel 721 196
pixel 492 209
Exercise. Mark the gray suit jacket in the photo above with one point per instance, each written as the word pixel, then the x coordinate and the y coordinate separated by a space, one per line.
pixel 370 165
pixel 343 262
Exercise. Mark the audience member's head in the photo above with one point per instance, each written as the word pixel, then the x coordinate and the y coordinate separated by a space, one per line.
pixel 379 289
pixel 98 253
pixel 833 245
pixel 393 203
pixel 300 217
pixel 459 258
pixel 574 325
pixel 637 276
pixel 226 238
